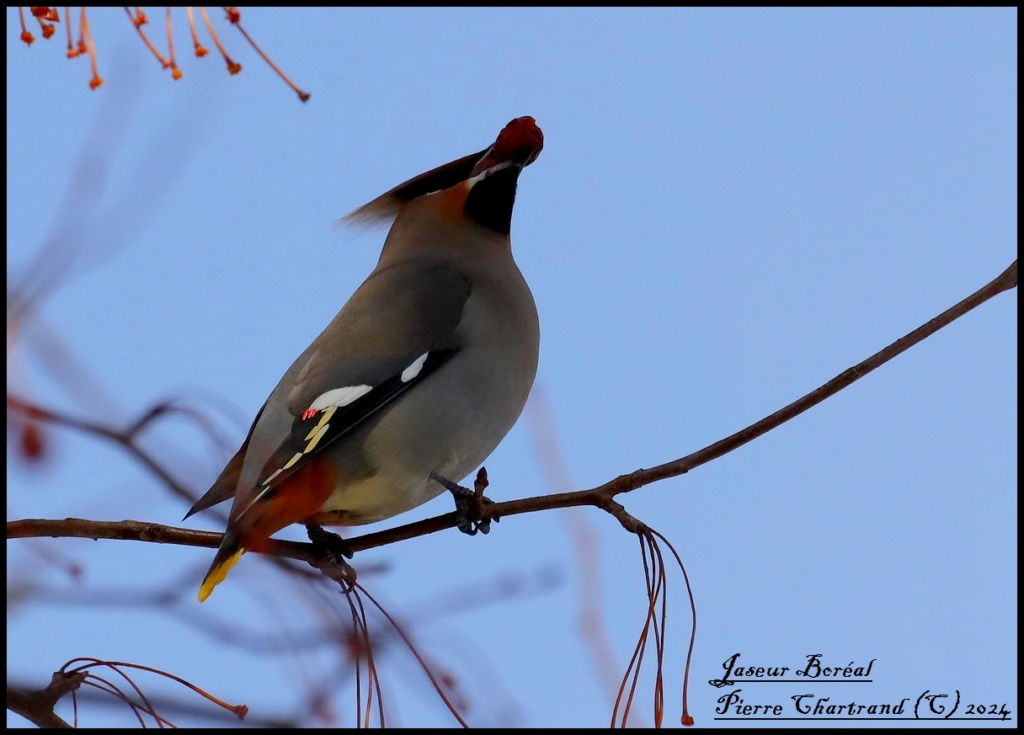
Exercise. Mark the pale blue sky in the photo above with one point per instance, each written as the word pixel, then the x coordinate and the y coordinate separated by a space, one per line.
pixel 731 208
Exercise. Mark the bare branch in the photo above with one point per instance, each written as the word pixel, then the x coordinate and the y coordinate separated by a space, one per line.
pixel 601 497
pixel 37 706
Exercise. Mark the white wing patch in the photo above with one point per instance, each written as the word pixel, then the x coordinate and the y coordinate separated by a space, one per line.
pixel 413 370
pixel 339 397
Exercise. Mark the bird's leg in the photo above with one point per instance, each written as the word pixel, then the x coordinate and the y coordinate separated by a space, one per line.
pixel 333 551
pixel 469 504
pixel 329 543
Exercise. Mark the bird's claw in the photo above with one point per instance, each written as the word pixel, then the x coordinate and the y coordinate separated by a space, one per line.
pixel 333 551
pixel 329 543
pixel 469 504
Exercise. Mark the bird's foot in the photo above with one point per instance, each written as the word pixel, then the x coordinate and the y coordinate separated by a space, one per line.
pixel 332 550
pixel 469 504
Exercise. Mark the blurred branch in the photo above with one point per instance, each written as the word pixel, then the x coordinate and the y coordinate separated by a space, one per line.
pixel 586 547
pixel 124 438
pixel 602 497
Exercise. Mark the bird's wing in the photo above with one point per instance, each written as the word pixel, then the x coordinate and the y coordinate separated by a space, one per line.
pixel 396 330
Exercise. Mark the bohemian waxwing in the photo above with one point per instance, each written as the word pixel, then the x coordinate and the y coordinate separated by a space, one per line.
pixel 417 379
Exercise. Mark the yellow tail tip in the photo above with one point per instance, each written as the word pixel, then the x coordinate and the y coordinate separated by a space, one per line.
pixel 217 574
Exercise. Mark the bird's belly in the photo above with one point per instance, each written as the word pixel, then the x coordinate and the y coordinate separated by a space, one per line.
pixel 373 499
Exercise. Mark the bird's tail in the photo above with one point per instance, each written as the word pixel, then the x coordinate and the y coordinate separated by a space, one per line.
pixel 230 551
